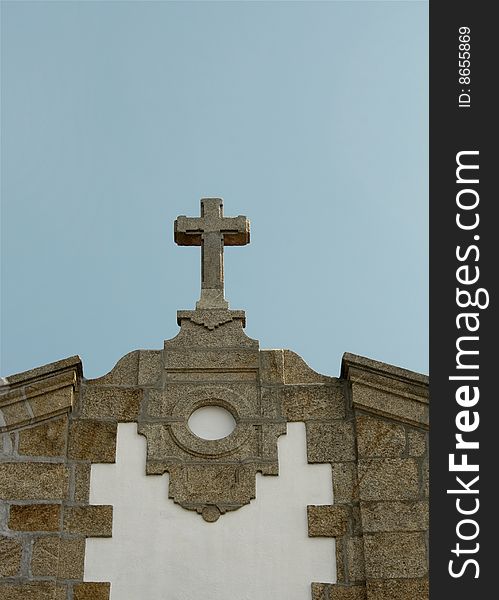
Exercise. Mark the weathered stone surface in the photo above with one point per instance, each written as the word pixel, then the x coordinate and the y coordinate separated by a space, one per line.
pixel 201 369
pixel 341 565
pixel 386 403
pixel 393 555
pixel 36 395
pixel 354 558
pixel 92 440
pixel 7 443
pixel 33 481
pixel 388 479
pixel 330 441
pixel 387 390
pixel 425 484
pixel 50 369
pixel 212 231
pixel 356 521
pixel 47 439
pixel 305 402
pixel 403 380
pixel 196 327
pixel 10 557
pixel 15 414
pixel 90 521
pixel 296 370
pixel 212 320
pixel 416 442
pixel 272 366
pixel 125 372
pixel 201 353
pixel 178 401
pixel 40 590
pixel 379 438
pixel 119 404
pixel 91 591
pixel 54 402
pixel 81 482
pixel 150 366
pixel 35 517
pixel 327 521
pixel 271 406
pixel 376 412
pixel 226 486
pixel 331 591
pixel 59 557
pixel 398 589
pixel 394 516
pixel 345 484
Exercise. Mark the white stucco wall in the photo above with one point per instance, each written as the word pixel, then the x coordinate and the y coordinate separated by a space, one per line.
pixel 160 551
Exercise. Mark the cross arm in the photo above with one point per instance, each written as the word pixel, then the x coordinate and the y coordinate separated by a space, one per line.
pixel 187 231
pixel 236 231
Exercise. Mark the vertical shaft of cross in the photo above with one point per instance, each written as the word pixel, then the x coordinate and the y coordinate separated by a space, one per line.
pixel 212 246
pixel 212 231
pixel 212 262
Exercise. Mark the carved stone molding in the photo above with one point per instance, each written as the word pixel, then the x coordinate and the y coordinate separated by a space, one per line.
pixel 211 318
pixel 34 396
pixel 211 362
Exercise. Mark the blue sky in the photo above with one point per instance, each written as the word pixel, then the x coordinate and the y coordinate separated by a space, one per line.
pixel 311 118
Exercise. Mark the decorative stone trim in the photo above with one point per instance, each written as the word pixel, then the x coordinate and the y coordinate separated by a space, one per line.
pixel 211 318
pixel 370 426
pixel 38 394
pixel 386 390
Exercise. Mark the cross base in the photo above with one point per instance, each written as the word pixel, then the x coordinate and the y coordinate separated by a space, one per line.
pixel 211 298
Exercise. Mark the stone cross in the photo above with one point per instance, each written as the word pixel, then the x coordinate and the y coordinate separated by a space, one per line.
pixel 212 231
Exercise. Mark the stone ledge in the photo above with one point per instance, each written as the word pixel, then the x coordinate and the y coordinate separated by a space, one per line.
pixel 39 394
pixel 25 377
pixel 386 390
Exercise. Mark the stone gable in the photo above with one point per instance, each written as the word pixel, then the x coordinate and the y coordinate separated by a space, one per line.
pixel 370 425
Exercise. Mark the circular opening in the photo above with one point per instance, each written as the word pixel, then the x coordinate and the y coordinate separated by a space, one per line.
pixel 211 423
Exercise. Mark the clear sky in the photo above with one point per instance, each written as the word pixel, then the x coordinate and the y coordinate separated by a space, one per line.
pixel 311 118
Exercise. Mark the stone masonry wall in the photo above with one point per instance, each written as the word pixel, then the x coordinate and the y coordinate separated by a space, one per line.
pixel 380 511
pixel 44 485
pixel 370 425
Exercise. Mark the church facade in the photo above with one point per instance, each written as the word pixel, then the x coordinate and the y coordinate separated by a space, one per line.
pixel 368 426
